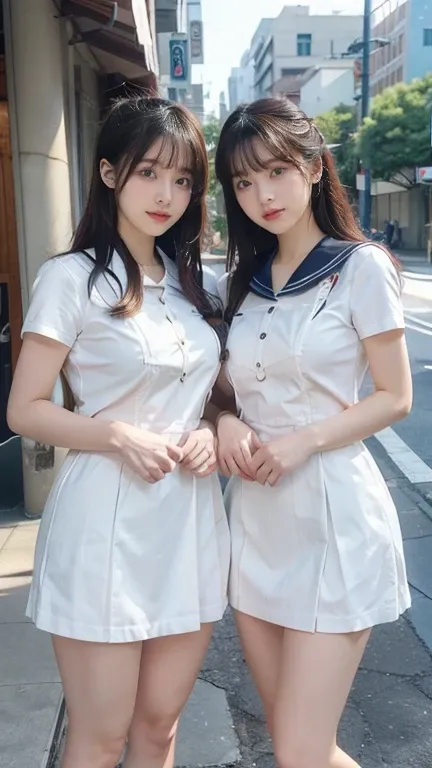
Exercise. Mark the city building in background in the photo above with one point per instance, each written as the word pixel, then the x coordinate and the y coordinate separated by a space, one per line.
pixel 326 86
pixel 181 48
pixel 61 64
pixel 288 46
pixel 241 82
pixel 407 26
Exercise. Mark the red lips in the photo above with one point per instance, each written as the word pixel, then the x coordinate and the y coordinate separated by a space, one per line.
pixel 159 216
pixel 273 213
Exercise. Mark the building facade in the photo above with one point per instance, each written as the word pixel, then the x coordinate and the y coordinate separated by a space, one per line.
pixel 61 63
pixel 325 87
pixel 188 33
pixel 407 29
pixel 241 82
pixel 289 45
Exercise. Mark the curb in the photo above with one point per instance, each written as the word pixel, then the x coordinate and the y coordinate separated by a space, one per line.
pixel 52 750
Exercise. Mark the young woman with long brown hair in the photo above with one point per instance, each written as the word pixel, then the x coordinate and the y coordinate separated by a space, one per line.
pixel 317 556
pixel 133 550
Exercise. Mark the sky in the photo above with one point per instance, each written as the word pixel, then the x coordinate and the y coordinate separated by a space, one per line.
pixel 229 26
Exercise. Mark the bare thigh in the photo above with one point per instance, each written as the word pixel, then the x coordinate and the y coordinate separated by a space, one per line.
pixel 316 672
pixel 169 668
pixel 100 682
pixel 262 646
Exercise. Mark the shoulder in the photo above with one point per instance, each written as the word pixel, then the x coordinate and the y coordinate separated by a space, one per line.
pixel 72 268
pixel 370 261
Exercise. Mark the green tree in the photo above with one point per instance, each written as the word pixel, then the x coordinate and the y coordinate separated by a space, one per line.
pixel 396 135
pixel 211 134
pixel 339 126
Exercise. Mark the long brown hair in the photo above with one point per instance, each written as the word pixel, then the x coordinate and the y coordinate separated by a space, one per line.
pixel 288 135
pixel 131 127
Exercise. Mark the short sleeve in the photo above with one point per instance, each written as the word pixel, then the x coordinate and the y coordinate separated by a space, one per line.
pixel 57 303
pixel 376 303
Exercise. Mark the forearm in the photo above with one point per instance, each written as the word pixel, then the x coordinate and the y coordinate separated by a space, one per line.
pixel 51 424
pixel 218 405
pixel 358 422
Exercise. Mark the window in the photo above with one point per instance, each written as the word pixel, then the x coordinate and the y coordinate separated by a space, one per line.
pixel 304 45
pixel 427 37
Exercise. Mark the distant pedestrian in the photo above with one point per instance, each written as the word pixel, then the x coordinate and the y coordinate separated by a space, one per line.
pixel 317 555
pixel 390 227
pixel 397 237
pixel 133 550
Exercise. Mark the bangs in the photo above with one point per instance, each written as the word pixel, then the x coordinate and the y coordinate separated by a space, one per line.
pixel 247 154
pixel 171 142
pixel 256 136
pixel 174 151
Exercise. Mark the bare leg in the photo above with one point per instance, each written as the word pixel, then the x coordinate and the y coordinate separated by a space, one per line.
pixel 100 684
pixel 315 678
pixel 169 668
pixel 262 644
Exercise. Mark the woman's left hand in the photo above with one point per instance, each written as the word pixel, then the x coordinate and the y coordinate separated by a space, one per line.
pixel 199 450
pixel 279 457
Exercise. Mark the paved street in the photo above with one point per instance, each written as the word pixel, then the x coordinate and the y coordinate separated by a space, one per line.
pixel 416 430
pixel 387 723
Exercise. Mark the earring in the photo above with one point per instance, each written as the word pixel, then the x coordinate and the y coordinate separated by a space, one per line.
pixel 317 187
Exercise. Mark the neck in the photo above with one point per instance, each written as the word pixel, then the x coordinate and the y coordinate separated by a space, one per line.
pixel 295 244
pixel 140 246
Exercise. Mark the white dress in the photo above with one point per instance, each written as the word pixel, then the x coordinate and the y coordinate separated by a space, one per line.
pixel 119 559
pixel 321 551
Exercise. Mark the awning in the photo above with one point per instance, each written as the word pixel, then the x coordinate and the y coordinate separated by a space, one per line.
pixel 119 34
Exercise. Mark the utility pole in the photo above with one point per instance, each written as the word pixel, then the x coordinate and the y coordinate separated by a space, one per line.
pixel 365 208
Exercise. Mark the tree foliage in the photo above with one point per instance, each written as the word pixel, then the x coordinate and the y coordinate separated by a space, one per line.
pixel 396 135
pixel 339 126
pixel 211 135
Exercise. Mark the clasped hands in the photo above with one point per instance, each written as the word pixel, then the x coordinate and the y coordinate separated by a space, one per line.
pixel 152 456
pixel 241 452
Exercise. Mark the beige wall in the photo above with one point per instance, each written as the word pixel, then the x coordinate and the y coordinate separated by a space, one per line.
pixel 46 162
pixel 38 65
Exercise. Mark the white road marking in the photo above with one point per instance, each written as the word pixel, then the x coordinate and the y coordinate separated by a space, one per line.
pixel 413 467
pixel 419 330
pixel 421 289
pixel 417 275
pixel 420 310
pixel 428 367
pixel 414 319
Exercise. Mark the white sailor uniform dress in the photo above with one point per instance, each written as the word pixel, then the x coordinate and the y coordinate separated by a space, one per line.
pixel 119 559
pixel 321 551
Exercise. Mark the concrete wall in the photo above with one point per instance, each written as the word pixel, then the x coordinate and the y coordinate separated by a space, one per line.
pixel 51 152
pixel 327 89
pixel 38 50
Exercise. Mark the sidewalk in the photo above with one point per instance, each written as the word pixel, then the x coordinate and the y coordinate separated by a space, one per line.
pixel 30 690
pixel 414 262
pixel 387 723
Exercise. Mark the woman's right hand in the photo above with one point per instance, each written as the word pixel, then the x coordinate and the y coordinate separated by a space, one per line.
pixel 237 444
pixel 150 455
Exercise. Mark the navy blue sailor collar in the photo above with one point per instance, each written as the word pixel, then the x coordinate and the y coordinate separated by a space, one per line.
pixel 325 259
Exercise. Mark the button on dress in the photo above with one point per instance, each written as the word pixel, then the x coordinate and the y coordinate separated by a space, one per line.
pixel 321 551
pixel 118 559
